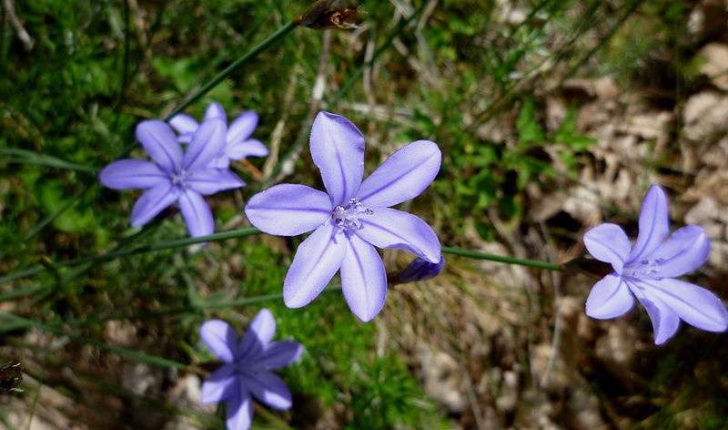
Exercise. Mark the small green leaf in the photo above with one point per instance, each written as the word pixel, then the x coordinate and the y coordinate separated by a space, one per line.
pixel 529 130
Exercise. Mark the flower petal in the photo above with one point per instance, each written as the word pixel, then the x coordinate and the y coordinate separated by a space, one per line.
pixel 685 250
pixel 221 162
pixel 197 214
pixel 160 142
pixel 608 243
pixel 317 260
pixel 220 386
pixel 244 149
pixel 212 180
pixel 403 176
pixel 215 111
pixel 288 209
pixel 185 125
pixel 269 389
pixel 207 144
pixel 152 202
pixel 263 325
pixel 243 126
pixel 257 336
pixel 363 279
pixel 220 337
pixel 609 298
pixel 337 148
pixel 185 137
pixel 664 320
pixel 654 223
pixel 391 228
pixel 693 304
pixel 280 354
pixel 240 411
pixel 125 174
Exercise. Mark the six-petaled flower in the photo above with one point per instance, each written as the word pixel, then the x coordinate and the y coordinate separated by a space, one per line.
pixel 246 372
pixel 350 219
pixel 173 176
pixel 238 143
pixel 647 270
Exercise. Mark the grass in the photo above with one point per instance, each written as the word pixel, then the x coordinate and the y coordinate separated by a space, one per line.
pixel 72 269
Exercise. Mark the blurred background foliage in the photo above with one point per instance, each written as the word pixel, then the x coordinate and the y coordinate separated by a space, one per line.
pixel 440 70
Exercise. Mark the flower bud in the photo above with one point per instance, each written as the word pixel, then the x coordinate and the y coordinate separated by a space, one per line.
pixel 420 270
pixel 343 14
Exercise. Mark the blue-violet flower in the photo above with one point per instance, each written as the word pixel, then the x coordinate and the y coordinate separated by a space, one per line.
pixel 238 144
pixel 420 270
pixel 246 371
pixel 352 218
pixel 647 270
pixel 173 176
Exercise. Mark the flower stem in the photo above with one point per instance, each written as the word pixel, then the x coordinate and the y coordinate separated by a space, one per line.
pixel 235 234
pixel 212 83
pixel 9 317
pixel 501 259
pixel 343 90
pixel 124 252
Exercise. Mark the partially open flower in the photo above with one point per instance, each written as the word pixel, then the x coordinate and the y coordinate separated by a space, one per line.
pixel 418 270
pixel 238 141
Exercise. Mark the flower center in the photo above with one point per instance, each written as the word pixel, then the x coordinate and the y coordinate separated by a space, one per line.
pixel 180 177
pixel 647 268
pixel 346 217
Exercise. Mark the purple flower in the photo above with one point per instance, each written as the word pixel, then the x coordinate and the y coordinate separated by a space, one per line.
pixel 647 270
pixel 246 371
pixel 238 143
pixel 352 218
pixel 420 270
pixel 173 176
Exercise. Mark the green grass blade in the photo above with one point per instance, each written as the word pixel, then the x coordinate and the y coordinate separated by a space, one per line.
pixel 126 352
pixel 23 156
pixel 134 250
pixel 254 52
pixel 501 259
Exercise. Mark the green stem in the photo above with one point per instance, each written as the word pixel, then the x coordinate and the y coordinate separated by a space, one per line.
pixel 20 292
pixel 176 312
pixel 603 41
pixel 51 217
pixel 234 234
pixel 130 353
pixel 262 46
pixel 158 246
pixel 23 156
pixel 501 259
pixel 345 88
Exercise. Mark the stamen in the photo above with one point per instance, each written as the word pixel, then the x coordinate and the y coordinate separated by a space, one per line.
pixel 180 178
pixel 647 268
pixel 346 217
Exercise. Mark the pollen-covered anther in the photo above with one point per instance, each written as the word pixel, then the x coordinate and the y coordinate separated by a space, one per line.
pixel 648 268
pixel 346 217
pixel 180 178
